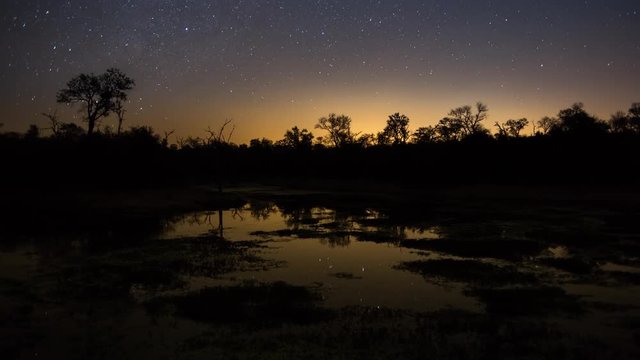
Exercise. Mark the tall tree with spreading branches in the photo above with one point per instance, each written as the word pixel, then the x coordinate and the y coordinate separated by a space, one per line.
pixel 339 129
pixel 99 95
pixel 397 129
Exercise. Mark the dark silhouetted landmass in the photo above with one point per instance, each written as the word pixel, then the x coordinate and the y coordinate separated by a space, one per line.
pixel 575 148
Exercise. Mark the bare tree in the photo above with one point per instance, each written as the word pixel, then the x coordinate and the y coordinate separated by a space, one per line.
pixel 469 121
pixel 216 138
pixel 339 129
pixel 119 110
pixel 54 122
pixel 220 136
pixel 165 138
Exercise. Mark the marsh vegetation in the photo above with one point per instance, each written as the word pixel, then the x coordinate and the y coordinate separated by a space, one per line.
pixel 269 272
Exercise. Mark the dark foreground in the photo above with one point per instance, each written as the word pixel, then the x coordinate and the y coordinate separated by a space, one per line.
pixel 340 272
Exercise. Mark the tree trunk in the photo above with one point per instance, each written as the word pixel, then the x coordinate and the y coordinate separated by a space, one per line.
pixel 92 124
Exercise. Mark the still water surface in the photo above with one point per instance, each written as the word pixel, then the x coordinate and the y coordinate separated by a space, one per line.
pixel 325 249
pixel 346 271
pixel 70 291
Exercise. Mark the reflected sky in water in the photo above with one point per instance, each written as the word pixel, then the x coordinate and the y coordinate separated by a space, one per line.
pixel 350 257
pixel 346 271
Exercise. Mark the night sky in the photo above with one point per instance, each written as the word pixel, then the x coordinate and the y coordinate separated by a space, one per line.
pixel 273 64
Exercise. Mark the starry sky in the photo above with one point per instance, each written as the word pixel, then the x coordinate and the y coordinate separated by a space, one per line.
pixel 273 64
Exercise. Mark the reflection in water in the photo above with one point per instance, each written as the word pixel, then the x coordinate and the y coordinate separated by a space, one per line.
pixel 559 252
pixel 261 210
pixel 353 258
pixel 366 257
pixel 356 255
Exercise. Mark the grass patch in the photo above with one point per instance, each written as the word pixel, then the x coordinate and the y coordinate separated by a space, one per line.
pixel 624 277
pixel 157 265
pixel 532 301
pixel 574 265
pixel 250 304
pixel 372 334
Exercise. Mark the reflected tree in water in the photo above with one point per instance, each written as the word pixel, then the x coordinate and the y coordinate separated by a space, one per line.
pixel 262 210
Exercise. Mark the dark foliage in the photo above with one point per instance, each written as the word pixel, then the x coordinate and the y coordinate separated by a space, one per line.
pixel 255 304
pixel 576 148
pixel 539 301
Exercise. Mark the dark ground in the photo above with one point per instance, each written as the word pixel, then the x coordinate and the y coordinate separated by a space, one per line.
pixel 84 275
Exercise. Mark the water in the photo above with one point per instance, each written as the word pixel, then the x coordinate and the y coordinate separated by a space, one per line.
pixel 81 289
pixel 323 248
pixel 347 271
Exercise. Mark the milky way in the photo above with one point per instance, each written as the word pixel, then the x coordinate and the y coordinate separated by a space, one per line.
pixel 270 65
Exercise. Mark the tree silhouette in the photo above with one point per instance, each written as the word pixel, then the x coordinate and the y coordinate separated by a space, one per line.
pixel 297 139
pixel 511 128
pixel 53 120
pixel 70 131
pixel 619 123
pixel 546 124
pixel 365 140
pixel 449 129
pixel 119 110
pixel 190 143
pixel 629 122
pixel 469 121
pixel 98 94
pixel 33 132
pixel 339 129
pixel 576 121
pixel 397 129
pixel 165 138
pixel 634 117
pixel 425 135
pixel 262 144
pixel 220 136
pixel 381 138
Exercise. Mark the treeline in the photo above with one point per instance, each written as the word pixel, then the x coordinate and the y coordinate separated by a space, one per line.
pixel 462 124
pixel 574 147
